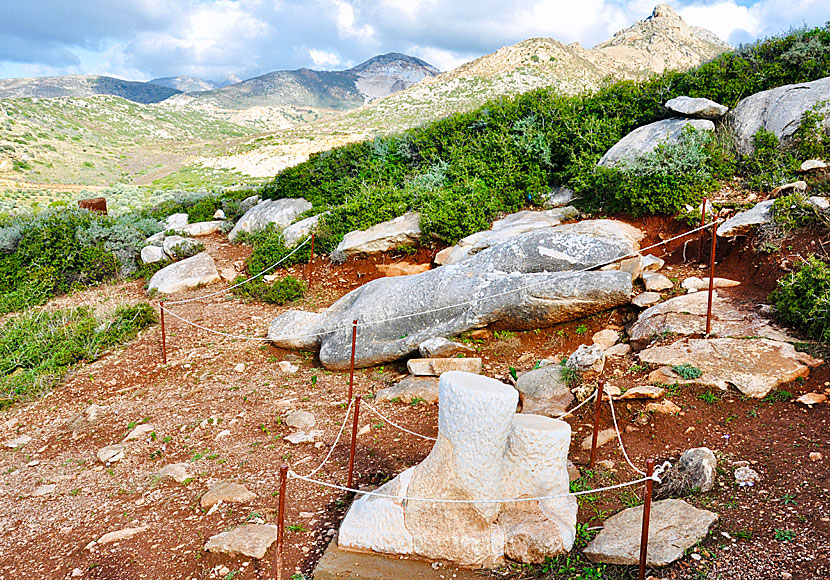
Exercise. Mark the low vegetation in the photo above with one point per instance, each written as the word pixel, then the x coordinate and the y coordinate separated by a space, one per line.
pixel 802 299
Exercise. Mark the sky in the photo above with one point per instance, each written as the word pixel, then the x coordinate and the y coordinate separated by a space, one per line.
pixel 144 39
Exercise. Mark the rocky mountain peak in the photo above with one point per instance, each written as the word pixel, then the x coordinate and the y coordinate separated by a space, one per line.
pixel 663 11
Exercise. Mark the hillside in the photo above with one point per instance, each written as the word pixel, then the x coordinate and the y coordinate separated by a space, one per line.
pixel 83 86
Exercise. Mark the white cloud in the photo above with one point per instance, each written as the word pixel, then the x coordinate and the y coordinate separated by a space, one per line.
pixel 322 58
pixel 724 19
pixel 346 23
pixel 441 59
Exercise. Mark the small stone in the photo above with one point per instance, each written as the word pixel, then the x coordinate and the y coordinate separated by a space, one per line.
pixel 603 437
pixel 695 284
pixel 643 392
pixel 786 576
pixel 652 263
pixel 411 388
pixel 77 572
pixel 573 471
pixel 364 430
pixel 240 368
pixel 300 420
pixel 812 164
pixel 665 407
pixel 816 456
pixel 228 493
pixel 227 274
pixel 303 437
pixel 443 348
pixel 606 338
pixel 222 434
pixel 646 299
pixel 695 471
pixel 252 540
pixel 139 432
pixel 621 349
pixel 44 490
pixel 746 476
pixel 119 535
pixel 633 266
pixel 17 442
pixel 795 185
pixel 219 214
pixel 818 202
pixel 287 367
pixel 111 453
pixel 481 334
pixel 656 282
pixel 612 390
pixel 606 464
pixel 811 399
pixel 175 471
pixel 588 361
pixel 438 366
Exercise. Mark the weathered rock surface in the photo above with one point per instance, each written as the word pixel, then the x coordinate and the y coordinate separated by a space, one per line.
pixel 646 299
pixel 280 212
pixel 674 527
pixel 819 203
pixel 120 535
pixel 18 441
pixel 698 108
pixel 302 420
pixel 588 361
pixel 796 186
pixel 604 436
pixel 410 388
pixel 778 110
pixel 503 230
pixel 139 432
pixel 201 228
pixel 606 338
pixel 152 254
pixel 741 224
pixel 179 246
pixel 695 284
pixel 621 349
pixel 228 493
pixel 543 392
pixel 297 232
pixel 695 471
pixel 686 315
pixel 176 221
pixel 525 455
pixel 175 471
pixel 402 269
pixel 754 366
pixel 382 237
pixel 111 453
pixel 440 347
pixel 655 282
pixel 643 392
pixel 652 263
pixel 810 399
pixel 189 273
pixel 813 164
pixel 303 436
pixel 645 139
pixel 437 366
pixel 559 197
pixel 251 540
pixel 663 407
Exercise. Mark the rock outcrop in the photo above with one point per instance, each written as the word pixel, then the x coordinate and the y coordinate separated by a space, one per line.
pixel 382 237
pixel 190 273
pixel 524 455
pixel 697 108
pixel 742 223
pixel 280 212
pixel 645 139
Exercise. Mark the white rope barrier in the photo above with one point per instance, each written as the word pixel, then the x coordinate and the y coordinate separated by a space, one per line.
pixel 575 409
pixel 294 475
pixel 619 437
pixel 336 440
pixel 225 290
pixel 212 331
pixel 388 420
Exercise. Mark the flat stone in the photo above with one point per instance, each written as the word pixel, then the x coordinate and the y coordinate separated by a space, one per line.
pixel 695 284
pixel 800 186
pixel 813 164
pixel 228 274
pixel 175 471
pixel 185 275
pixel 16 442
pixel 746 476
pixel 219 214
pixel 202 228
pixel 647 138
pixel 646 299
pixel 152 254
pixel 410 388
pixel 811 399
pixel 663 407
pixel 86 418
pixel 382 237
pixel 604 436
pixel 139 432
pixel 754 366
pixel 280 212
pixel 606 338
pixel 301 420
pixel 443 348
pixel 633 266
pixel 674 527
pixel 303 436
pixel 643 392
pixel 656 282
pixel 120 535
pixel 44 490
pixel 558 197
pixel 251 540
pixel 438 366
pixel 696 107
pixel 618 350
pixel 111 454
pixel 742 223
pixel 652 263
pixel 228 493
pixel 402 269
pixel 543 392
pixel 287 367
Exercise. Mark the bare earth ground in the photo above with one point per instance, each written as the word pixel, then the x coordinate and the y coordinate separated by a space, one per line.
pixel 201 393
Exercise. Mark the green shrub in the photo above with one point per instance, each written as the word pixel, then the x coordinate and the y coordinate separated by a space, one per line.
pixel 791 212
pixel 284 290
pixel 802 299
pixel 270 249
pixel 769 165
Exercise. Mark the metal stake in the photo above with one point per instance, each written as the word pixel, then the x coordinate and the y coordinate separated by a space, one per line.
pixel 646 517
pixel 163 335
pixel 354 343
pixel 354 439
pixel 281 519
pixel 711 279
pixel 702 232
pixel 597 407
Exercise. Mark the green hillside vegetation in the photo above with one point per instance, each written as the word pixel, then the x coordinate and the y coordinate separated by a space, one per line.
pixel 461 171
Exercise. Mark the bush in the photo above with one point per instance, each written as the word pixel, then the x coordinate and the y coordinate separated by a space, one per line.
pixel 802 299
pixel 281 291
pixel 270 249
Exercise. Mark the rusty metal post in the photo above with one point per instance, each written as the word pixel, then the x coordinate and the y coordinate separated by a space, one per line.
pixel 646 517
pixel 702 232
pixel 354 343
pixel 711 279
pixel 354 439
pixel 597 407
pixel 163 335
pixel 311 264
pixel 281 519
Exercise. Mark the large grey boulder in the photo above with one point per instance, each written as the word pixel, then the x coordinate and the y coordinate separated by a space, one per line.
pixel 201 228
pixel 178 247
pixel 176 221
pixel 189 273
pixel 778 110
pixel 382 237
pixel 645 139
pixel 742 223
pixel 280 212
pixel 297 232
pixel 694 472
pixel 543 392
pixel 484 450
pixel 674 527
pixel 504 229
pixel 698 108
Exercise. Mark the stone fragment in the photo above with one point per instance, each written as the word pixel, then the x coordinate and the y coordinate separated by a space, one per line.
pixel 647 138
pixel 811 399
pixel 202 228
pixel 300 420
pixel 303 436
pixel 573 471
pixel 587 361
pixel 543 392
pixel 410 388
pixel 652 263
pixel 228 275
pixel 152 254
pixel 139 432
pixel 621 349
pixel 799 186
pixel 120 535
pixel 175 471
pixel 86 418
pixel 111 454
pixel 298 231
pixel 402 269
pixel 438 366
pixel 44 490
pixel 746 476
pixel 633 266
pixel 604 436
pixel 694 472
pixel 280 212
pixel 813 164
pixel 643 392
pixel 606 338
pixel 663 407
pixel 250 540
pixel 176 221
pixel 816 456
pixel 695 284
pixel 443 348
pixel 655 282
pixel 185 275
pixel 819 203
pixel 288 367
pixel 239 368
pixel 17 441
pixel 696 107
pixel 674 527
pixel 754 366
pixel 219 214
pixel 558 197
pixel 228 493
pixel 382 237
pixel 646 299
pixel 742 223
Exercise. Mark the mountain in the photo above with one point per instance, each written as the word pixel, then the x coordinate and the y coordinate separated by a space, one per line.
pixel 79 86
pixel 338 90
pixel 186 84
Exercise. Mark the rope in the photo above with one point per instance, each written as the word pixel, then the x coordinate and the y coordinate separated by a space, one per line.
pixel 619 438
pixel 220 333
pixel 572 411
pixel 388 420
pixel 268 269
pixel 472 501
pixel 336 440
